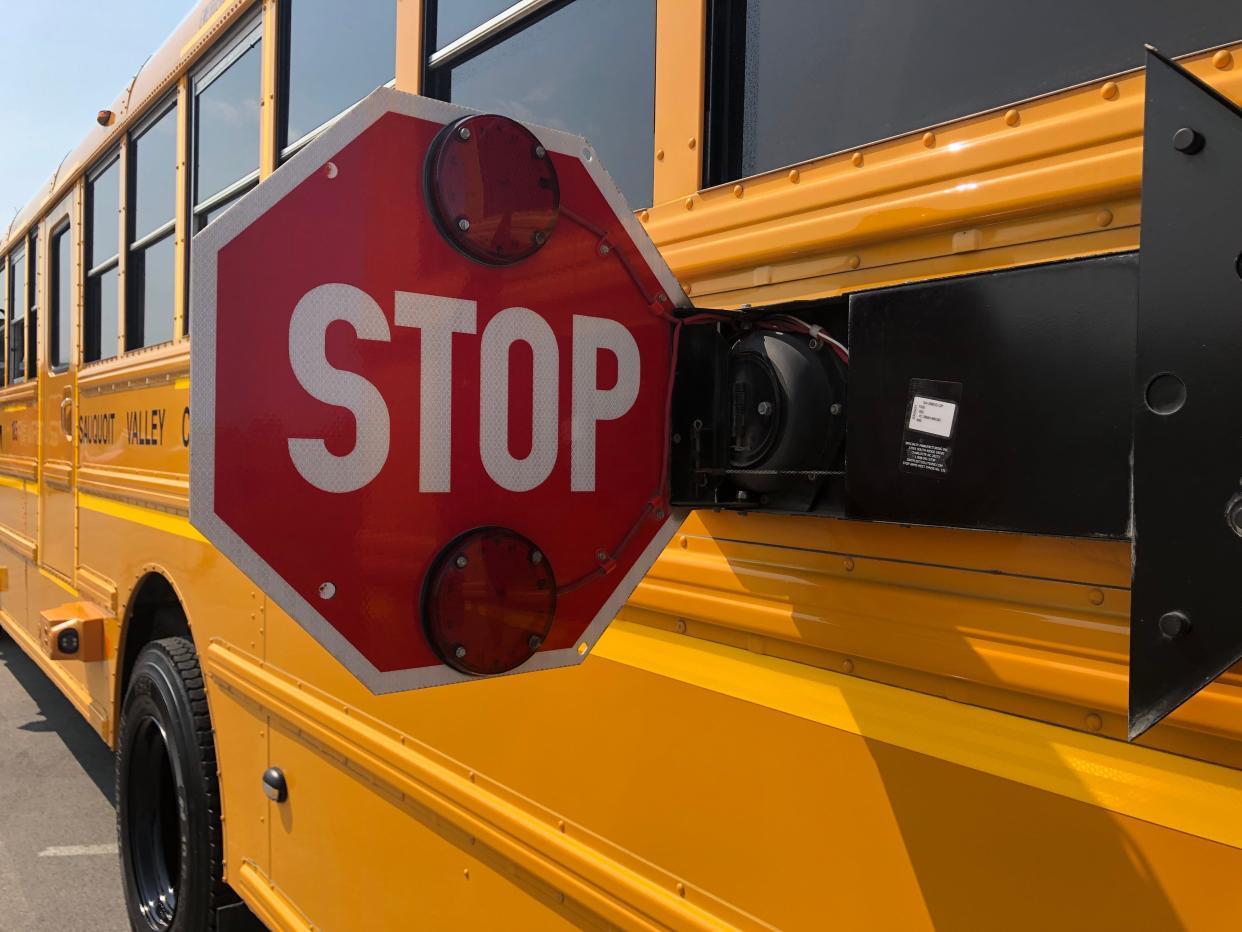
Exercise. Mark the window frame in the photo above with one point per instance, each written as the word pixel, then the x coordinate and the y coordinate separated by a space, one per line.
pixel 63 227
pixel 227 53
pixel 132 246
pixel 100 269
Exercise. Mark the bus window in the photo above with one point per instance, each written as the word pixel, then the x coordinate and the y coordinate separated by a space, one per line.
pixel 153 168
pixel 335 54
pixel 31 351
pixel 448 22
pixel 588 68
pixel 4 303
pixel 788 82
pixel 225 161
pixel 17 317
pixel 61 299
pixel 100 322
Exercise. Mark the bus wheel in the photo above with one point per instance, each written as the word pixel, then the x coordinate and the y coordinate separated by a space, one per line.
pixel 168 795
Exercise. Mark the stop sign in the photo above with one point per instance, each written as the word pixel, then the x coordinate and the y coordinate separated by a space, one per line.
pixel 430 382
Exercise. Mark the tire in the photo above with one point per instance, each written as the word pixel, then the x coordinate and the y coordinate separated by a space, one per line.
pixel 168 794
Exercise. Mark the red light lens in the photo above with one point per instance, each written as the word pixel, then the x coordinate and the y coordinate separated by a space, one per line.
pixel 492 189
pixel 489 602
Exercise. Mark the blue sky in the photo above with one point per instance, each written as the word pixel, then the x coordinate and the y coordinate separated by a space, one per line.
pixel 61 62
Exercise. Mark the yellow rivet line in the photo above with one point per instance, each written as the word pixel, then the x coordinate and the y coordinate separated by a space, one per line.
pixel 160 520
pixel 1188 795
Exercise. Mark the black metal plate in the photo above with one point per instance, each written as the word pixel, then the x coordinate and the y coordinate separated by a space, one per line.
pixel 1040 361
pixel 1187 464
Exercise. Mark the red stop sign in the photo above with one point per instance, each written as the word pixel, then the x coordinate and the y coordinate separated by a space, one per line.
pixel 429 405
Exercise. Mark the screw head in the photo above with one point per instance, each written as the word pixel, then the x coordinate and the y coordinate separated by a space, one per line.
pixel 461 562
pixel 1174 624
pixel 601 555
pixel 459 652
pixel 540 152
pixel 535 641
pixel 464 133
pixel 540 237
pixel 604 249
pixel 327 590
pixel 463 224
pixel 1188 140
pixel 536 557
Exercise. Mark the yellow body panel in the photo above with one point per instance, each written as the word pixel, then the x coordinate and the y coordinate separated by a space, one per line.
pixel 797 722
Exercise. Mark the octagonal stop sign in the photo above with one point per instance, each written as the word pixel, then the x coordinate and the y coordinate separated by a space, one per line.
pixel 430 382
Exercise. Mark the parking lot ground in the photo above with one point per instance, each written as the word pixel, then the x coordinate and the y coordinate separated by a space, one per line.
pixel 58 862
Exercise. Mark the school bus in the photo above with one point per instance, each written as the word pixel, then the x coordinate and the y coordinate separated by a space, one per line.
pixel 798 720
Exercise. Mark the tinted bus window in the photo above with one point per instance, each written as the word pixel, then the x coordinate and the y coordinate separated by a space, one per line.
pixel 99 315
pixel 456 18
pixel 226 127
pixel 588 68
pixel 153 166
pixel 790 82
pixel 61 299
pixel 336 54
pixel 17 317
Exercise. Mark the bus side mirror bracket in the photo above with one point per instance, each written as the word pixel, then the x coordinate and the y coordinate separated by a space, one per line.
pixel 1186 511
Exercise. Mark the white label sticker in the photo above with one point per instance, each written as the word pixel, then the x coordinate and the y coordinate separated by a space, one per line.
pixel 932 416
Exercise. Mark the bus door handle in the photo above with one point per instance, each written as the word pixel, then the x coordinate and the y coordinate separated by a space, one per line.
pixel 66 415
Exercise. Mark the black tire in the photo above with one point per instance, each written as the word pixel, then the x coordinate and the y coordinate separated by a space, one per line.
pixel 168 794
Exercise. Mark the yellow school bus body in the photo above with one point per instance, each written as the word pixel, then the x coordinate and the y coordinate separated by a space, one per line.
pixel 797 722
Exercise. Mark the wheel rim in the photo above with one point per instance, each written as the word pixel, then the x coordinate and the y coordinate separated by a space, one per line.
pixel 154 825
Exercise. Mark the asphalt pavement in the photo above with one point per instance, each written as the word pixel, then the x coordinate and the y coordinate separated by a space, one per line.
pixel 58 862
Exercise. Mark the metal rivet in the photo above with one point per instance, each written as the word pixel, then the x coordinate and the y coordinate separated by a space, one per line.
pixel 662 297
pixel 601 555
pixel 463 224
pixel 680 626
pixel 540 152
pixel 794 175
pixel 849 564
pixel 659 155
pixel 835 408
pixel 1104 218
pixel 1094 722
pixel 681 889
pixel 691 142
pixel 738 190
pixel 464 133
pixel 853 262
pixel 1187 140
pixel 684 541
pixel 1222 59
pixel 466 873
pixel 1095 596
pixel 534 642
pixel 540 237
pixel 847 665
pixel 561 825
pixel 857 159
pixel 604 249
pixel 1174 624
pixel 461 561
pixel 689 203
pixel 765 408
pixel 327 590
pixel 460 652
pixel 536 557
pixel 1012 117
pixel 929 139
pixel 1110 90
pixel 643 215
